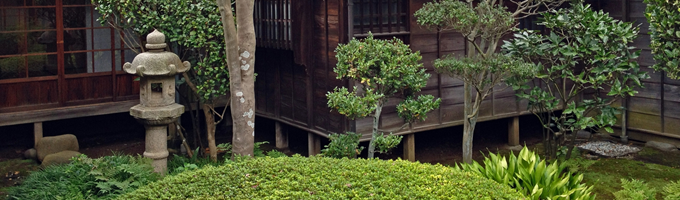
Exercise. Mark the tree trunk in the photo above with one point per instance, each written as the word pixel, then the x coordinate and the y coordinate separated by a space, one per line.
pixel 240 51
pixel 210 131
pixel 468 124
pixel 376 122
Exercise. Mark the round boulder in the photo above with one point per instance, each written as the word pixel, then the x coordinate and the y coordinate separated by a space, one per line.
pixel 63 157
pixel 31 154
pixel 56 144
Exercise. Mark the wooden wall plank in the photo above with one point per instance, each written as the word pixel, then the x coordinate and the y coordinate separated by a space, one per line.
pixel 644 121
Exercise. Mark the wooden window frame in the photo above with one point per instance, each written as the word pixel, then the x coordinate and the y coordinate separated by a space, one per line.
pixel 117 49
pixel 397 23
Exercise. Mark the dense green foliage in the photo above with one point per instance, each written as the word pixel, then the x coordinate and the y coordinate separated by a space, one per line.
pixel 343 146
pixel 384 69
pixel 635 190
pixel 664 28
pixel 192 24
pixel 324 178
pixel 86 178
pixel 584 65
pixel 531 175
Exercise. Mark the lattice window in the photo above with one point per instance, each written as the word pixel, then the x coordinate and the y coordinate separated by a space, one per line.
pixel 380 17
pixel 29 43
pixel 273 24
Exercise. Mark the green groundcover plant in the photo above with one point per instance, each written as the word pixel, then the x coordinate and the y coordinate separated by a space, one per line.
pixel 86 178
pixel 531 175
pixel 324 178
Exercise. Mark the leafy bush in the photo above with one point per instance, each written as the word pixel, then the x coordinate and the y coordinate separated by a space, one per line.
pixel 635 190
pixel 664 29
pixel 276 154
pixel 384 143
pixel 86 178
pixel 324 178
pixel 343 146
pixel 532 176
pixel 672 191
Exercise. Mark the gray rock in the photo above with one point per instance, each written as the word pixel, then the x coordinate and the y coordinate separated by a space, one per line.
pixel 583 134
pixel 31 154
pixel 63 157
pixel 56 144
pixel 516 148
pixel 661 146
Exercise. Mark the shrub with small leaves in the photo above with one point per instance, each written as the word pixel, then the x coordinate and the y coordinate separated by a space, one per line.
pixel 384 69
pixel 343 146
pixel 414 110
pixel 324 178
pixel 635 190
pixel 384 143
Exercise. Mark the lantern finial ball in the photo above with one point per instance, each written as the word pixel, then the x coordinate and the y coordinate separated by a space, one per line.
pixel 155 40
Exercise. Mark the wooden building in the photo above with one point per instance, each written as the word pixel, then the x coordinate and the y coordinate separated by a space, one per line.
pixel 58 62
pixel 294 78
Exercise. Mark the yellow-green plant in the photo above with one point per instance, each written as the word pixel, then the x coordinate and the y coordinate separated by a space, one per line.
pixel 531 175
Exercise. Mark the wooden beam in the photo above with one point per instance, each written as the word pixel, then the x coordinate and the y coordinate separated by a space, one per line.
pixel 26 117
pixel 410 147
pixel 281 136
pixel 313 144
pixel 513 131
pixel 37 133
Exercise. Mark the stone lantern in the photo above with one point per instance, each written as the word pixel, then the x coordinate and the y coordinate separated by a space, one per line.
pixel 156 69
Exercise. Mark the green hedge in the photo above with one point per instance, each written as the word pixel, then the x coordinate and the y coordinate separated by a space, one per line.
pixel 324 178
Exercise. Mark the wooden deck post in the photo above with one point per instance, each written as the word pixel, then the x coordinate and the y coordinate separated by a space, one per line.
pixel 313 144
pixel 281 136
pixel 410 147
pixel 37 133
pixel 513 131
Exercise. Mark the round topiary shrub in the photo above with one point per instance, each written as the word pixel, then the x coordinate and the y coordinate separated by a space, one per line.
pixel 324 178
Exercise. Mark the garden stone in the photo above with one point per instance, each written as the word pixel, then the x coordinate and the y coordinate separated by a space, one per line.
pixel 63 157
pixel 516 148
pixel 56 144
pixel 582 134
pixel 661 146
pixel 31 154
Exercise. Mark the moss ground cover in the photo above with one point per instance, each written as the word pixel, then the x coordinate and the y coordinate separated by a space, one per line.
pixel 324 178
pixel 606 174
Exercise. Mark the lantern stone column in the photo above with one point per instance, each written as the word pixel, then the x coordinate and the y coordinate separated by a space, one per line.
pixel 157 108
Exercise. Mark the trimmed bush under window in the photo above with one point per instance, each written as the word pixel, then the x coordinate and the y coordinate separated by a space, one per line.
pixel 324 178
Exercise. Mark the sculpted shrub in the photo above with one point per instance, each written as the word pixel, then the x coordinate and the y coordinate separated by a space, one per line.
pixel 324 178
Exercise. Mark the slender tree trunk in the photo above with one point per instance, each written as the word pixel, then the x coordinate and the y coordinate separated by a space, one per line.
pixel 210 130
pixel 376 122
pixel 468 124
pixel 240 51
